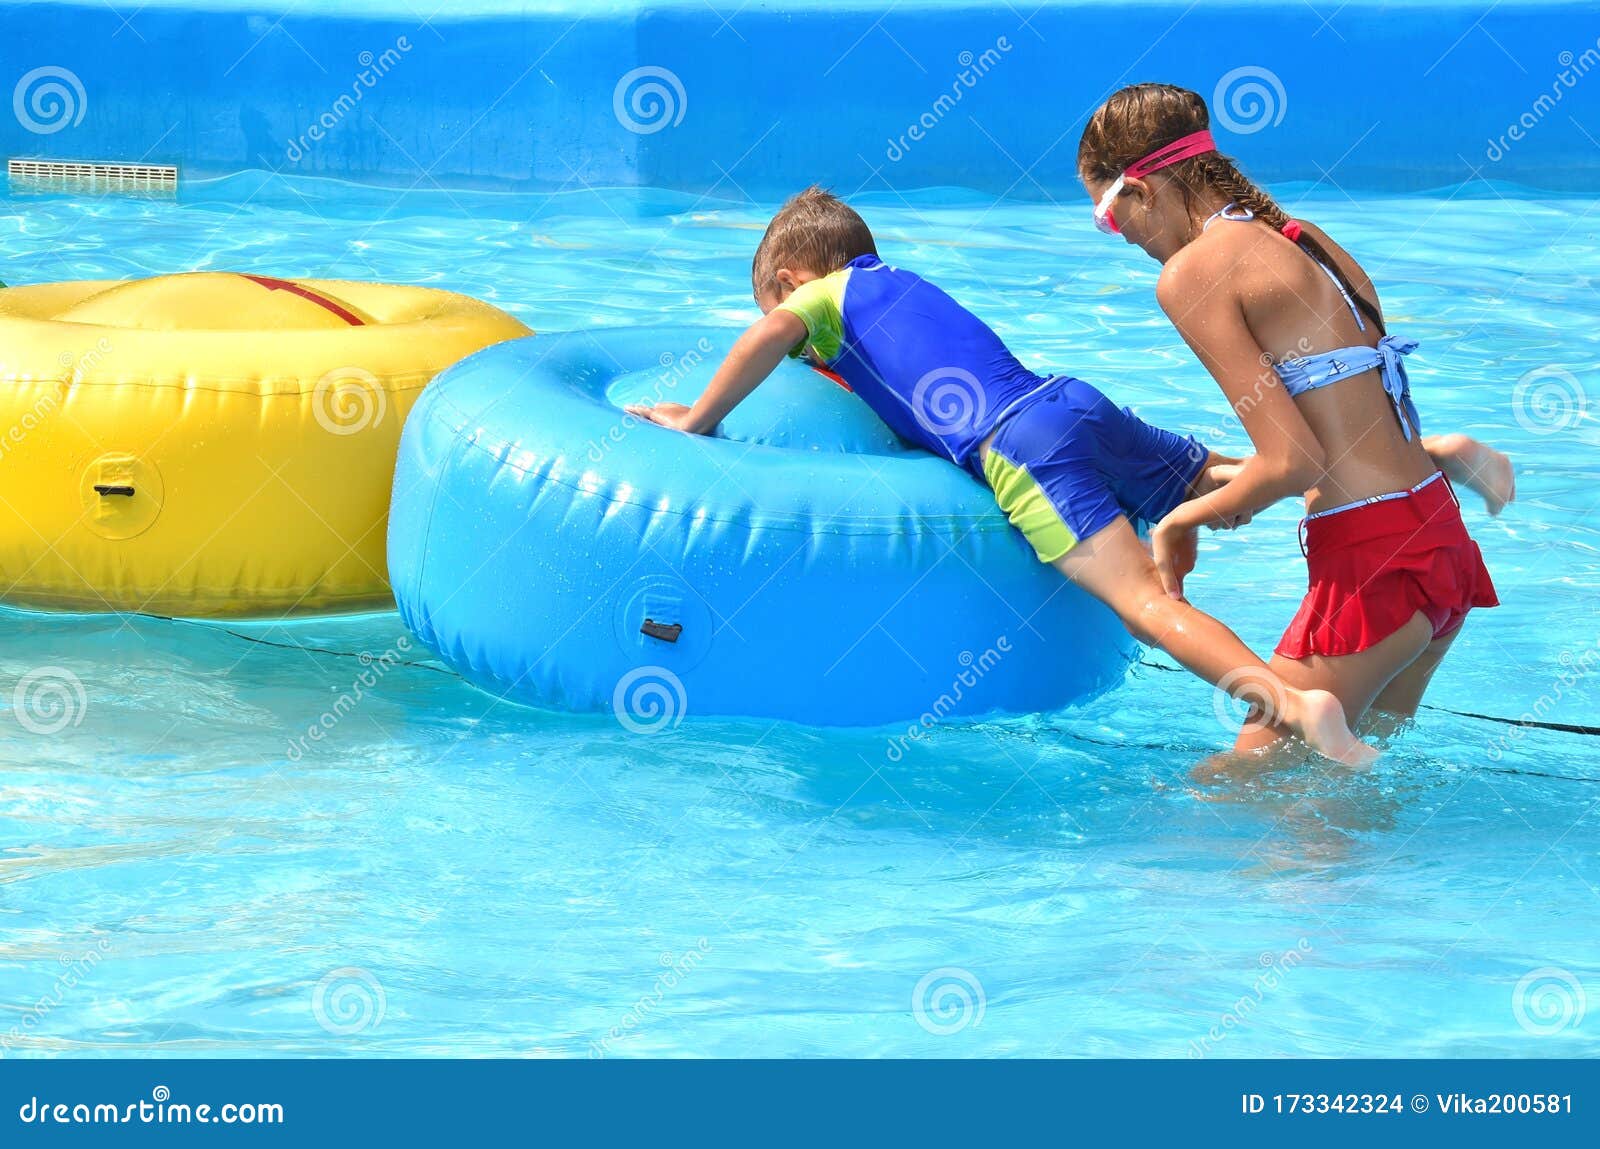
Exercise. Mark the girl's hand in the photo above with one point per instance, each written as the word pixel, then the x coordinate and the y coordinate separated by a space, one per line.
pixel 1173 545
pixel 672 415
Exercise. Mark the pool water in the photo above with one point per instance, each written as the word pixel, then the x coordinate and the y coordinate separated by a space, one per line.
pixel 182 873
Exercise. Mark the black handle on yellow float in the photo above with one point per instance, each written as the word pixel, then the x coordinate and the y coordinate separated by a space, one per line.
pixel 665 631
pixel 113 489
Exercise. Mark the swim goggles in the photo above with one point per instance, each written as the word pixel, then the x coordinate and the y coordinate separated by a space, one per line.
pixel 1194 144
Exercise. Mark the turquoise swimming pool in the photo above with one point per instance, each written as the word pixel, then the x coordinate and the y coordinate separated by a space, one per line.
pixel 445 874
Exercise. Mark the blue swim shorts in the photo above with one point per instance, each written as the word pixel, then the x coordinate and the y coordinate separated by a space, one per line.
pixel 1070 463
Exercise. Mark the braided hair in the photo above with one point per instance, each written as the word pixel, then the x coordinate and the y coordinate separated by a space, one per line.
pixel 1140 118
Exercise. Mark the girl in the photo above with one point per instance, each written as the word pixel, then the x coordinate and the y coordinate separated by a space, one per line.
pixel 1291 329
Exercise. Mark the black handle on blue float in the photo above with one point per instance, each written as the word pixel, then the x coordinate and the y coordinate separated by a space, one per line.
pixel 665 631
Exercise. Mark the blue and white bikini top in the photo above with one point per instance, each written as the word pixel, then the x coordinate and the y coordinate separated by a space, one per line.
pixel 1308 372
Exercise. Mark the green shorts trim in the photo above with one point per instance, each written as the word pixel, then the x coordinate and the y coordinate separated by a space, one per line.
pixel 1028 508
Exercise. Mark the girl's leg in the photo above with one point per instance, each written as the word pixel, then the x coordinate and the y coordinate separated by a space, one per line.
pixel 1356 680
pixel 1404 693
pixel 1113 565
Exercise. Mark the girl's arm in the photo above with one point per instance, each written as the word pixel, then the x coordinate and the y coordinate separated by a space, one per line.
pixel 754 356
pixel 1288 459
pixel 1205 308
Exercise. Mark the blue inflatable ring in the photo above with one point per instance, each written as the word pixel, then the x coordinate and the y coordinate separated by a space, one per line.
pixel 805 565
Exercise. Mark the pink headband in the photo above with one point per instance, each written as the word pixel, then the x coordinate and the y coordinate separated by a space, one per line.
pixel 1195 144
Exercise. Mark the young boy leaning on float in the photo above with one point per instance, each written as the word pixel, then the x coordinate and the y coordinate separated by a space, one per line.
pixel 1072 471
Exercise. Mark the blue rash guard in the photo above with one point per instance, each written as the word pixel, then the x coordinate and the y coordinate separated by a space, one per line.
pixel 1065 462
pixel 930 369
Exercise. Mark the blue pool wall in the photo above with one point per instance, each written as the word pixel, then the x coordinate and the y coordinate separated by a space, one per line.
pixel 499 94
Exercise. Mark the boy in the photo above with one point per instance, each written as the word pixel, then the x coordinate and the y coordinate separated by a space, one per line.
pixel 1071 471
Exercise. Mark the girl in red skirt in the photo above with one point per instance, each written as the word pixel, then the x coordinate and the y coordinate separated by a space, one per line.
pixel 1290 327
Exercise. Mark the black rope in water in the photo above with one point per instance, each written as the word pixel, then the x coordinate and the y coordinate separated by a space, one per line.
pixel 1563 727
pixel 1527 723
pixel 299 646
pixel 1531 723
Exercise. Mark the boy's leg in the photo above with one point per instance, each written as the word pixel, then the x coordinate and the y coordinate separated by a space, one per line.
pixel 1355 679
pixel 1113 566
pixel 1052 468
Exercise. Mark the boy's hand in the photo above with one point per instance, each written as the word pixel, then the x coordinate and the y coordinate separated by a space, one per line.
pixel 672 415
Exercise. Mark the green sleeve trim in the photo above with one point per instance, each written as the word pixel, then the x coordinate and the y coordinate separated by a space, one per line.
pixel 820 306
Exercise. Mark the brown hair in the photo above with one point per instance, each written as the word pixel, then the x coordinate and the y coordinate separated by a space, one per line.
pixel 1143 117
pixel 816 231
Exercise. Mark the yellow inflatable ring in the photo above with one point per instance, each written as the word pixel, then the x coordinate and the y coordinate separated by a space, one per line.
pixel 212 444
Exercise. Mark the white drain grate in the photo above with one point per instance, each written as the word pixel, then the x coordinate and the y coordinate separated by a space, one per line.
pixel 83 177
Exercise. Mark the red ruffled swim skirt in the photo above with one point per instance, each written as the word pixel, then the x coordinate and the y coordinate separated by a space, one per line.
pixel 1375 565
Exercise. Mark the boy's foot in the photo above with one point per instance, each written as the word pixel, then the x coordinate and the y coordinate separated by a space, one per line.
pixel 1319 720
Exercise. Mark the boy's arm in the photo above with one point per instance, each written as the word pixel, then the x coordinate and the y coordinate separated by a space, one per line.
pixel 754 356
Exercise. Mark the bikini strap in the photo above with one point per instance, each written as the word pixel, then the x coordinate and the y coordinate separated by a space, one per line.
pixel 1228 211
pixel 1233 213
pixel 1349 301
